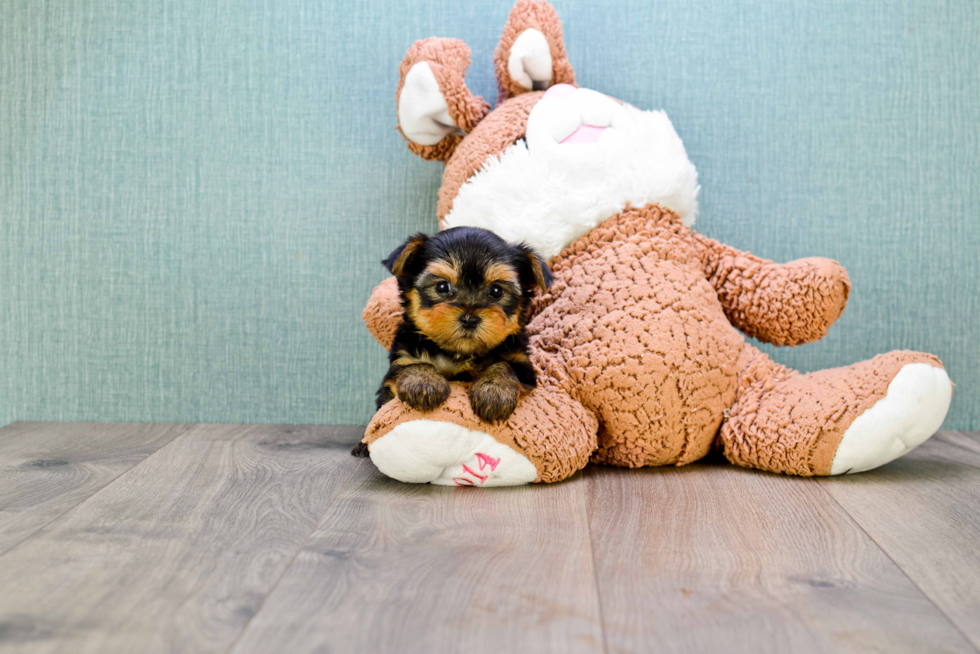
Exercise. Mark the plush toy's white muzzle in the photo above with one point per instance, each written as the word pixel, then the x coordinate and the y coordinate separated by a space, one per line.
pixel 584 158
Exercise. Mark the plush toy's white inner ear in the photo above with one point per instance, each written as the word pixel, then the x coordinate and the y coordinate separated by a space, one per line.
pixel 530 60
pixel 422 111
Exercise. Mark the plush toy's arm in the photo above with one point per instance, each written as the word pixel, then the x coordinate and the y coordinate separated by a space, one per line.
pixel 383 312
pixel 783 304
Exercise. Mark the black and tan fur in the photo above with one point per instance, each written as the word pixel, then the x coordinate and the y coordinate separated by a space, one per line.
pixel 466 295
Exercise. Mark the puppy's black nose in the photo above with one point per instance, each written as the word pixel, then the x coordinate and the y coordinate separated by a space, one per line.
pixel 469 320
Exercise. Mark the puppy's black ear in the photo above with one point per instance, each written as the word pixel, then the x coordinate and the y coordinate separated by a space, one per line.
pixel 397 260
pixel 540 269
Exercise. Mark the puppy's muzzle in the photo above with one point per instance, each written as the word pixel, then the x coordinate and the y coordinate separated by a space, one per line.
pixel 469 321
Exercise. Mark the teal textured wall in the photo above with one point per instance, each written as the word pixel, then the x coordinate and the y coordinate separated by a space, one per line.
pixel 195 194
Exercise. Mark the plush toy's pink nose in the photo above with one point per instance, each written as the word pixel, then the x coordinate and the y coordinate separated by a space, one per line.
pixel 584 133
pixel 559 91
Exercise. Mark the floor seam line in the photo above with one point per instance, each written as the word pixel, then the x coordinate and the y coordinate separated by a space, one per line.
pixel 190 427
pixel 881 548
pixel 296 554
pixel 595 567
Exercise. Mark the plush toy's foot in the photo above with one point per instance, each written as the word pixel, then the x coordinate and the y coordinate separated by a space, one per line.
pixel 547 438
pixel 427 451
pixel 911 411
pixel 835 421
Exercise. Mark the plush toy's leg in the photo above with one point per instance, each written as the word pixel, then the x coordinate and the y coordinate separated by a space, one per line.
pixel 548 438
pixel 834 421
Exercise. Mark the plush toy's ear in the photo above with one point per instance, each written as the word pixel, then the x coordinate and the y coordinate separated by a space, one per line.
pixel 398 260
pixel 540 269
pixel 531 53
pixel 435 109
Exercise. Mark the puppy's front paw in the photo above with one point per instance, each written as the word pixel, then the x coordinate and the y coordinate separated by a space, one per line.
pixel 493 401
pixel 422 389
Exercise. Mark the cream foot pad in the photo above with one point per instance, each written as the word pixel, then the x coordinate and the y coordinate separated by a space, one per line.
pixel 427 451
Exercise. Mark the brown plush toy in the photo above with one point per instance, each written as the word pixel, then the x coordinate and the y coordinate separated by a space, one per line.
pixel 636 345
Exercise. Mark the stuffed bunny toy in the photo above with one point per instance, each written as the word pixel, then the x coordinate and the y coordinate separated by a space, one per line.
pixel 638 344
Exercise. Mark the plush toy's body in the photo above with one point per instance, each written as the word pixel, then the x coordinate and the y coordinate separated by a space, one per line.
pixel 636 347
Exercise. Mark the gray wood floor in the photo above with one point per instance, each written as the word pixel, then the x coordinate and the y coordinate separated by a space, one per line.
pixel 245 539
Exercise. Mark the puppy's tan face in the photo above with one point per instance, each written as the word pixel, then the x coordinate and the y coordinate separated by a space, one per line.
pixel 467 304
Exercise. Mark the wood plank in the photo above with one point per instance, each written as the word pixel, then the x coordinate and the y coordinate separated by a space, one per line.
pixel 923 510
pixel 46 468
pixel 711 557
pixel 407 568
pixel 969 440
pixel 177 554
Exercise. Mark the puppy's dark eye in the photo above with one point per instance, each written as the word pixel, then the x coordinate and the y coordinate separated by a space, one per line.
pixel 442 288
pixel 495 291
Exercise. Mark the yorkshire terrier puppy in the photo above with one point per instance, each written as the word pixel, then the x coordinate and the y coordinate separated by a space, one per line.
pixel 466 294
